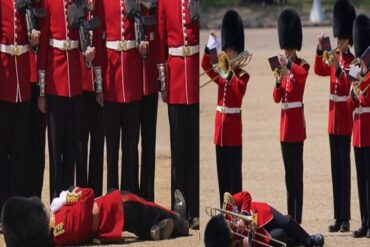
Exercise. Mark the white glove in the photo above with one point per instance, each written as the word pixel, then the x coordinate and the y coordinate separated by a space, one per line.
pixel 214 42
pixel 59 202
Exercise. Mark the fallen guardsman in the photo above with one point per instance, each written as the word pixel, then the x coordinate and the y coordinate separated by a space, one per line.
pixel 244 223
pixel 76 217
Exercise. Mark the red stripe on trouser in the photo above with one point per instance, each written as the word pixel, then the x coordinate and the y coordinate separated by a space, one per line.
pixel 135 198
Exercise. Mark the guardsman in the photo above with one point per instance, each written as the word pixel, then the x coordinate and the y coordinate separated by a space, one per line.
pixel 77 218
pixel 340 117
pixel 289 90
pixel 231 90
pixel 359 104
pixel 123 90
pixel 60 81
pixel 89 164
pixel 149 103
pixel 15 95
pixel 178 22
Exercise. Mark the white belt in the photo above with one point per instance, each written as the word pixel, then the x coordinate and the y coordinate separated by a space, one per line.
pixel 183 51
pixel 360 110
pixel 228 110
pixel 121 45
pixel 64 45
pixel 290 105
pixel 14 50
pixel 337 98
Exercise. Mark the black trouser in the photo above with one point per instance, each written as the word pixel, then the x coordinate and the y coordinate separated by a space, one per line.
pixel 140 215
pixel 287 230
pixel 63 119
pixel 35 148
pixel 148 127
pixel 229 170
pixel 362 158
pixel 13 136
pixel 293 162
pixel 89 166
pixel 340 147
pixel 184 133
pixel 122 118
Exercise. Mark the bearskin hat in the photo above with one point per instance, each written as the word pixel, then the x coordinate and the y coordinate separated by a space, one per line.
pixel 217 233
pixel 232 31
pixel 25 223
pixel 343 16
pixel 361 34
pixel 290 30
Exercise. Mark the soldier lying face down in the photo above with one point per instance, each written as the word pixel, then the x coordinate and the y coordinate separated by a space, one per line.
pixel 76 217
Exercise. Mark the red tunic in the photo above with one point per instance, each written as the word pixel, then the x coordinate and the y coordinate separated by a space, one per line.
pixel 33 68
pixel 175 30
pixel 228 126
pixel 14 70
pixel 150 71
pixel 361 122
pixel 123 76
pixel 73 224
pixel 340 117
pixel 244 204
pixel 292 122
pixel 63 70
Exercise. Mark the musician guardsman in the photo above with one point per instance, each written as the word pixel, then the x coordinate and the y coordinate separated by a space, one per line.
pixel 89 164
pixel 123 90
pixel 271 225
pixel 231 90
pixel 178 25
pixel 15 95
pixel 289 90
pixel 359 104
pixel 149 102
pixel 77 218
pixel 340 117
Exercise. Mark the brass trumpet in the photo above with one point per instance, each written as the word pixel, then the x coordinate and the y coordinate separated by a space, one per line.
pixel 328 56
pixel 248 219
pixel 226 65
pixel 357 86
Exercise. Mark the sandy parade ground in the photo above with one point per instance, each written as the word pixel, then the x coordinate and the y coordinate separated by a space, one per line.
pixel 263 171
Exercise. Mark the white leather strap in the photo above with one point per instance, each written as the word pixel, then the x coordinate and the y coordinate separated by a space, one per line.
pixel 337 98
pixel 228 110
pixel 290 105
pixel 14 50
pixel 121 45
pixel 183 51
pixel 361 110
pixel 64 45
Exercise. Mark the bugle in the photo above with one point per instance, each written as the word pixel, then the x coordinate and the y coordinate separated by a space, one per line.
pixel 210 211
pixel 226 65
pixel 357 86
pixel 328 56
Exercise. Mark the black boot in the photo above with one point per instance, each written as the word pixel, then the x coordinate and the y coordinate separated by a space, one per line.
pixel 344 227
pixel 181 224
pixel 162 229
pixel 360 233
pixel 317 240
pixel 336 226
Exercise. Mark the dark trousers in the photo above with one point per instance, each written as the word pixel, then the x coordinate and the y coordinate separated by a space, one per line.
pixel 35 149
pixel 340 147
pixel 148 127
pixel 184 134
pixel 229 170
pixel 13 128
pixel 293 162
pixel 287 230
pixel 89 165
pixel 362 158
pixel 140 215
pixel 122 118
pixel 63 119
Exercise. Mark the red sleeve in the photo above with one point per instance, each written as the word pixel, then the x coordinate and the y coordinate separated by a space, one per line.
pixel 243 200
pixel 276 94
pixel 98 41
pixel 321 68
pixel 162 31
pixel 207 67
pixel 42 58
pixel 239 84
pixel 300 72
